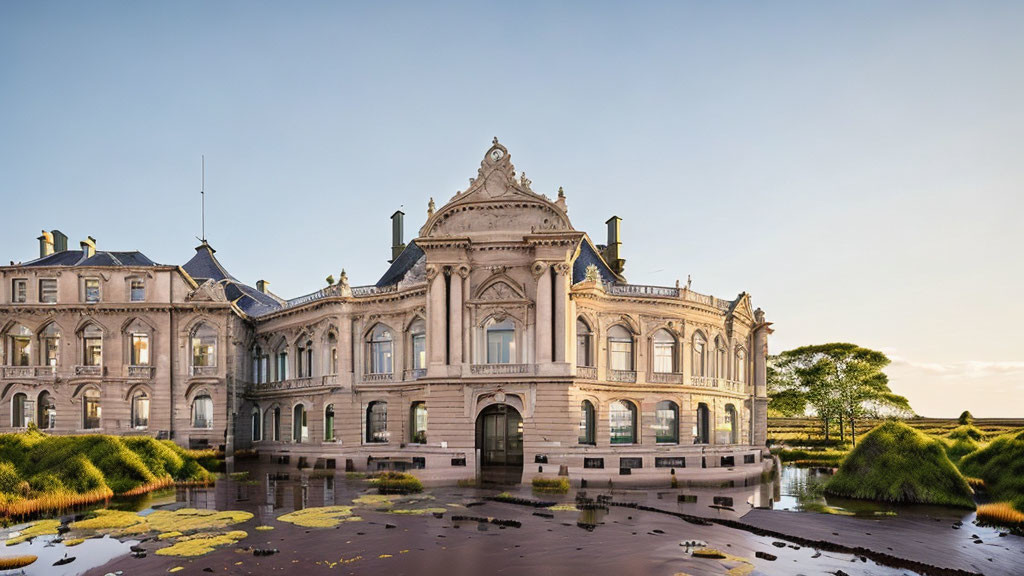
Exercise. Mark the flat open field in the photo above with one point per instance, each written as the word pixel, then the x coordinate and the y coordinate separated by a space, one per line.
pixel 797 431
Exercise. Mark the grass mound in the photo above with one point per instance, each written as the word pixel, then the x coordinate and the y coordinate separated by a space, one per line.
pixel 1001 466
pixel 41 472
pixel 895 463
pixel 397 483
pixel 966 431
pixel 960 447
pixel 558 485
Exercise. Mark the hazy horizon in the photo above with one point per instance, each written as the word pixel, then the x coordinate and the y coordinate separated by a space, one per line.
pixel 855 168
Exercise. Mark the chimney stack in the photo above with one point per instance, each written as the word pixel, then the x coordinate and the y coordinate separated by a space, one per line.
pixel 45 244
pixel 261 285
pixel 60 241
pixel 88 247
pixel 612 253
pixel 397 244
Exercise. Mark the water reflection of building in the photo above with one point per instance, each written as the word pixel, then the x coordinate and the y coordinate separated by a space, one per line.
pixel 500 338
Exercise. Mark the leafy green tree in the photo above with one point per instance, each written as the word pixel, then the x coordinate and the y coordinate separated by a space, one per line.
pixel 838 381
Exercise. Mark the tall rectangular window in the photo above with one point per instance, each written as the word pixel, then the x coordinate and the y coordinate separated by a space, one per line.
pixel 663 357
pixel 140 350
pixel 19 291
pixel 282 366
pixel 419 351
pixel 137 290
pixel 48 291
pixel 92 290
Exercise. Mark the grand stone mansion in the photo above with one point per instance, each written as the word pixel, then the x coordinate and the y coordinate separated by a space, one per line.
pixel 500 339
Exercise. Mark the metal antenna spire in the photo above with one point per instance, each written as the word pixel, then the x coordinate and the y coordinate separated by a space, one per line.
pixel 202 192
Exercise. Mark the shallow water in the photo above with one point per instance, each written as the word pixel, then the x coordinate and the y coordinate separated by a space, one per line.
pixel 623 540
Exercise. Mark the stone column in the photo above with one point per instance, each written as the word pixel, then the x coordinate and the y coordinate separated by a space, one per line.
pixel 759 404
pixel 562 272
pixel 543 311
pixel 435 316
pixel 455 315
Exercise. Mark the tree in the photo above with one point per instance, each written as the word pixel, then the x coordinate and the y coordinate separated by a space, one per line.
pixel 839 381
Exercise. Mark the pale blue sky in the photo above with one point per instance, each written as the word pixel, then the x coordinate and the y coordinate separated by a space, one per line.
pixel 856 168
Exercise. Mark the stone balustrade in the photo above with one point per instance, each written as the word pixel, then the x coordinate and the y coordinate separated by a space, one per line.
pixel 586 372
pixel 665 377
pixel 621 376
pixel 499 369
pixel 381 377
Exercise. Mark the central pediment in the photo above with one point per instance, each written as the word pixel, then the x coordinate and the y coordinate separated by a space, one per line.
pixel 497 204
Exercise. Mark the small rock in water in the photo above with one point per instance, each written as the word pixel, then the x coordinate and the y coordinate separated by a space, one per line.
pixel 658 531
pixel 64 560
pixel 779 544
pixel 816 554
pixel 840 573
pixel 794 546
pixel 765 556
pixel 207 569
pixel 390 526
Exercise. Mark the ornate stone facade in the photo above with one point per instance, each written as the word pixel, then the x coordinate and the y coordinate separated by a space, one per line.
pixel 501 337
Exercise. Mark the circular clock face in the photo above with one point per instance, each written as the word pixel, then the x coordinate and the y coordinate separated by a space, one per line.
pixel 497 154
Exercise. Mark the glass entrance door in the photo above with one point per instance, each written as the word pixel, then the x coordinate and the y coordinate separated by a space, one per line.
pixel 500 436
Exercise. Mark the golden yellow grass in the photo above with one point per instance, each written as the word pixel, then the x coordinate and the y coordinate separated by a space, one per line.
pixel 1001 513
pixel 15 562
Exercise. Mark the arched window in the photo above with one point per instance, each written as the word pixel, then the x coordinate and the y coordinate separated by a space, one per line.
pixel 329 423
pixel 741 366
pixel 584 344
pixel 620 348
pixel 305 358
pixel 300 428
pixel 664 344
pixel 202 411
pixel 418 335
pixel 622 422
pixel 720 365
pixel 377 422
pixel 47 411
pixel 49 350
pixel 256 424
pixel 23 411
pixel 276 423
pixel 281 362
pixel 204 346
pixel 19 346
pixel 137 335
pixel 332 351
pixel 91 409
pixel 501 342
pixel 666 422
pixel 140 410
pixel 92 346
pixel 418 423
pixel 732 424
pixel 699 350
pixel 380 351
pixel 702 430
pixel 588 423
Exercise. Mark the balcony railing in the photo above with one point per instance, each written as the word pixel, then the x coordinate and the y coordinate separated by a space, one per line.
pixel 586 372
pixel 203 370
pixel 382 377
pixel 415 374
pixel 664 377
pixel 19 372
pixel 499 369
pixel 144 372
pixel 88 370
pixel 642 290
pixel 621 376
pixel 45 371
pixel 717 383
pixel 327 381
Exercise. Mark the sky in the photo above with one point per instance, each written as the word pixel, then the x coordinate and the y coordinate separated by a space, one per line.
pixel 854 166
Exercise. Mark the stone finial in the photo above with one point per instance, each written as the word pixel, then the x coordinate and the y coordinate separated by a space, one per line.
pixel 561 193
pixel 524 181
pixel 344 278
pixel 677 283
pixel 430 207
pixel 495 141
pixel 330 280
pixel 343 288
pixel 759 316
pixel 560 202
pixel 689 281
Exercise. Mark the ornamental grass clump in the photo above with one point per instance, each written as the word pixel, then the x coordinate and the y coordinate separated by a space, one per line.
pixel 1001 514
pixel 895 463
pixel 558 485
pixel 966 431
pixel 1001 466
pixel 397 483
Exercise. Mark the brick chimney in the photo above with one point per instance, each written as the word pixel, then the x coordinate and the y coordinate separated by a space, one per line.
pixel 397 244
pixel 88 247
pixel 612 252
pixel 45 244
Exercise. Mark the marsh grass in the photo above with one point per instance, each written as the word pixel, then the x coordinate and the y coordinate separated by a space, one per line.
pixel 15 562
pixel 1001 514
pixel 43 473
pixel 896 463
pixel 558 485
pixel 1000 465
pixel 397 483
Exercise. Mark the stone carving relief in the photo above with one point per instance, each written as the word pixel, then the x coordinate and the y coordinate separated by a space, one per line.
pixel 499 291
pixel 208 291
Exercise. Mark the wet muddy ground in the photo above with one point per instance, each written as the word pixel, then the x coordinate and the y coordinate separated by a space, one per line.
pixel 619 540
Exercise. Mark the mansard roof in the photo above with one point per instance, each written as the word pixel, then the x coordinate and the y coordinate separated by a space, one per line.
pixel 401 265
pixel 100 258
pixel 205 266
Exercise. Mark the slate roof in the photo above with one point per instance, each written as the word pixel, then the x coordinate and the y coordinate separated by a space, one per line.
pixel 100 258
pixel 405 261
pixel 587 257
pixel 205 266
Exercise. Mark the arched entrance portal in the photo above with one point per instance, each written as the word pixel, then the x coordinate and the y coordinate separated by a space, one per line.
pixel 499 442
